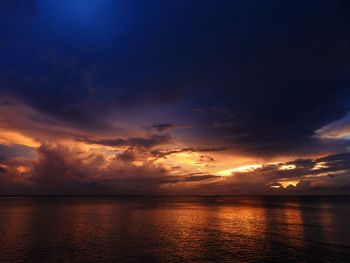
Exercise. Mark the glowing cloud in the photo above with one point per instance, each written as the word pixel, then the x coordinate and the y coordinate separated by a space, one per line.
pixel 241 169
pixel 287 167
pixel 337 130
pixel 14 137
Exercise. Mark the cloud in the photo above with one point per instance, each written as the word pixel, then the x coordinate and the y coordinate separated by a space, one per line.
pixel 149 142
pixel 146 142
pixel 65 170
pixel 305 176
pixel 71 171
pixel 161 153
pixel 196 178
pixel 336 130
pixel 105 142
pixel 162 126
pixel 22 124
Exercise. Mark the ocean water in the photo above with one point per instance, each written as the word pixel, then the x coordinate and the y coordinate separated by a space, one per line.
pixel 175 229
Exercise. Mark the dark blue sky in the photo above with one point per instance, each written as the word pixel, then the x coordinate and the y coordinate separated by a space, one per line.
pixel 260 78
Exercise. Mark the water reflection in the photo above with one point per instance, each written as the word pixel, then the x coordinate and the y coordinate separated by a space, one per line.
pixel 14 229
pixel 174 229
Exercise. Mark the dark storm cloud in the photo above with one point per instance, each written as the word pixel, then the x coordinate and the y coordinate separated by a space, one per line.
pixel 164 153
pixel 63 170
pixel 162 126
pixel 328 165
pixel 128 155
pixel 149 142
pixel 105 142
pixel 337 158
pixel 189 178
pixel 146 142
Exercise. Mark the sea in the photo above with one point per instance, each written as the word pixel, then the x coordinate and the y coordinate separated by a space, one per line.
pixel 175 229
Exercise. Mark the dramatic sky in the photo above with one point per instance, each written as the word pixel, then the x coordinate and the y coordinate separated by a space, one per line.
pixel 174 97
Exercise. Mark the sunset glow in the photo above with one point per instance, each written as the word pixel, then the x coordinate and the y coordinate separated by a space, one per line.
pixel 112 97
pixel 174 131
pixel 242 169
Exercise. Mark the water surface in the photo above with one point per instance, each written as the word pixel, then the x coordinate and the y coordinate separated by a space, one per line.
pixel 175 229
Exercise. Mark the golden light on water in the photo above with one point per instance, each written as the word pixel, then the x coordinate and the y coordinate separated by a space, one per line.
pixel 250 227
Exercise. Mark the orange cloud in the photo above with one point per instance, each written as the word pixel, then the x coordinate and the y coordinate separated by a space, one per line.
pixel 13 137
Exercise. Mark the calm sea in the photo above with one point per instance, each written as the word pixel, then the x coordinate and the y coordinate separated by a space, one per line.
pixel 175 229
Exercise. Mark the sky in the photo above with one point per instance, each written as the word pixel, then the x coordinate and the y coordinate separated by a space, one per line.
pixel 192 97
